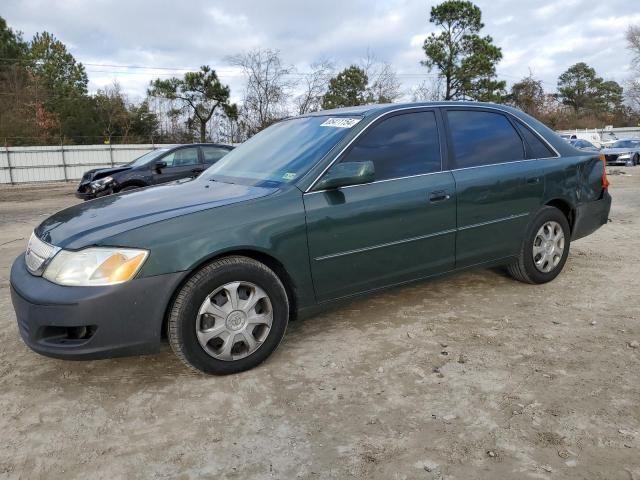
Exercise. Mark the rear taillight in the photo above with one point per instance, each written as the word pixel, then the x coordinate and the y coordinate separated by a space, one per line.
pixel 605 180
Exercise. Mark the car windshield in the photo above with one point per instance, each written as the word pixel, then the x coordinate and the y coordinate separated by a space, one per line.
pixel 147 157
pixel 626 144
pixel 283 152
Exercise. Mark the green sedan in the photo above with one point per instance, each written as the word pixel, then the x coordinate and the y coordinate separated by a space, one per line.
pixel 312 210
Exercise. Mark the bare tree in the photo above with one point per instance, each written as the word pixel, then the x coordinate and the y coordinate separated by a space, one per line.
pixel 632 94
pixel 633 43
pixel 384 86
pixel 632 85
pixel 268 87
pixel 430 90
pixel 314 85
pixel 111 105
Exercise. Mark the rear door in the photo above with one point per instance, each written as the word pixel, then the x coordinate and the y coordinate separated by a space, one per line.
pixel 183 162
pixel 499 186
pixel 398 228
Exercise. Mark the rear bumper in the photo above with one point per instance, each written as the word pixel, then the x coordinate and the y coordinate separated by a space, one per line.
pixel 90 322
pixel 590 216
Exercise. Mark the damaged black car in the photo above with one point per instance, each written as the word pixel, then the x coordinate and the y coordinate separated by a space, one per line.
pixel 158 166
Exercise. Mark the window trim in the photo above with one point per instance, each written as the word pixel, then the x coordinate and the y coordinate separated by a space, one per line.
pixel 438 108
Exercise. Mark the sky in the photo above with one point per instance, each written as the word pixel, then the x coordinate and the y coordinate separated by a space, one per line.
pixel 168 37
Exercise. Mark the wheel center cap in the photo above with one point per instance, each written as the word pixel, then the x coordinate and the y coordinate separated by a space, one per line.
pixel 236 320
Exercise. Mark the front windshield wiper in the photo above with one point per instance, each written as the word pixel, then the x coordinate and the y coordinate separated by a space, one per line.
pixel 220 181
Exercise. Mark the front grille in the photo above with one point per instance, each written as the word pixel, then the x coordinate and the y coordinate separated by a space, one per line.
pixel 37 254
pixel 611 158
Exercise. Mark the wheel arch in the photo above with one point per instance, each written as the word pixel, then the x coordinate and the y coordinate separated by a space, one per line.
pixel 566 208
pixel 255 254
pixel 132 183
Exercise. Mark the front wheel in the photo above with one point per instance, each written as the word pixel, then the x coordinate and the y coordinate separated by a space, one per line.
pixel 229 316
pixel 636 160
pixel 544 249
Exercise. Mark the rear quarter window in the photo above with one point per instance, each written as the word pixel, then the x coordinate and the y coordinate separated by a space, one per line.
pixel 536 148
pixel 483 138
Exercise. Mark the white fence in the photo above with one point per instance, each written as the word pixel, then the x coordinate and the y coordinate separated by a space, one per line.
pixel 60 163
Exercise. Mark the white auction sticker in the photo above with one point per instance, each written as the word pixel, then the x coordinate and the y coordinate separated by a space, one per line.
pixel 340 122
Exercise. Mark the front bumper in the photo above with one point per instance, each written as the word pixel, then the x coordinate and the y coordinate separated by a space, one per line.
pixel 90 322
pixel 88 193
pixel 590 216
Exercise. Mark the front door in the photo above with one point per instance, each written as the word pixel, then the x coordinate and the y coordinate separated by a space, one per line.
pixel 181 163
pixel 398 228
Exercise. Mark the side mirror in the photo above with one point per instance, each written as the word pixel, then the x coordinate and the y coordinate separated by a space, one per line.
pixel 160 165
pixel 347 173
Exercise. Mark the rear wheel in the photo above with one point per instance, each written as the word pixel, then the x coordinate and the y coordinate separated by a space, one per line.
pixel 229 317
pixel 545 248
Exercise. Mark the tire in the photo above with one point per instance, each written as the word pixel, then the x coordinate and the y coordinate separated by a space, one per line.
pixel 192 320
pixel 524 268
pixel 636 160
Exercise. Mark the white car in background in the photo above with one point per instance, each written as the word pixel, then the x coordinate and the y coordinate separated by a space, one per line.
pixel 599 138
pixel 625 152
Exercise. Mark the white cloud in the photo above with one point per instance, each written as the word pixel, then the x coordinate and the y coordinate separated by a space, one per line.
pixel 545 38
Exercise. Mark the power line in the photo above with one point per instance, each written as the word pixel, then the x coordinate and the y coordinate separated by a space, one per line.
pixel 226 72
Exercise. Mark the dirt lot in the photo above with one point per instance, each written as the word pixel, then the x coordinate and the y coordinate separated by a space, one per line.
pixel 471 376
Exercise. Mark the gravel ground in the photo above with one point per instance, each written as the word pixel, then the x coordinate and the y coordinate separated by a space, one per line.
pixel 470 376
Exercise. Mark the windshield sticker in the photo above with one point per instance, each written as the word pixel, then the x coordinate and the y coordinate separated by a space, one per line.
pixel 289 176
pixel 340 122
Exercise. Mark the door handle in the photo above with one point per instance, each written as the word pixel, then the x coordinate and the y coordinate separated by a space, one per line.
pixel 533 180
pixel 439 196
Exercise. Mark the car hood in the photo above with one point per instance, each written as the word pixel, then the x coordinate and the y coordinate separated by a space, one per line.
pixel 91 222
pixel 97 173
pixel 614 151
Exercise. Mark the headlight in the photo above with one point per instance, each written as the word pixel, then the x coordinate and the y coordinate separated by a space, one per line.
pixel 624 155
pixel 101 183
pixel 95 266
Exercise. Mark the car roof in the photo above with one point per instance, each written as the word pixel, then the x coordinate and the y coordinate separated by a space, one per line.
pixel 177 145
pixel 374 109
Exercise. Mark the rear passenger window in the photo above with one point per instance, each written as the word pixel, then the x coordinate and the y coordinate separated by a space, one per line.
pixel 400 146
pixel 536 148
pixel 213 154
pixel 483 138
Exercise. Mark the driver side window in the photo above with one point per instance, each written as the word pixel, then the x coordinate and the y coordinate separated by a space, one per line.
pixel 399 146
pixel 182 157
